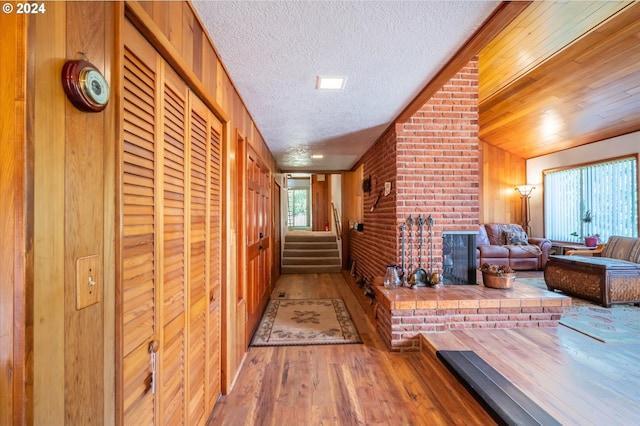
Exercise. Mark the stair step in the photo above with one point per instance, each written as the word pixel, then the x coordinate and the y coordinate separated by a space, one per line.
pixel 310 269
pixel 310 237
pixel 311 253
pixel 311 261
pixel 312 245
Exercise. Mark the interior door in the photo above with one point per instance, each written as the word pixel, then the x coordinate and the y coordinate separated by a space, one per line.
pixel 276 234
pixel 137 329
pixel 168 309
pixel 258 178
pixel 320 203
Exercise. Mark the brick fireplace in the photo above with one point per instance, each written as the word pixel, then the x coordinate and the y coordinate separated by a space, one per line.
pixel 403 314
pixel 432 162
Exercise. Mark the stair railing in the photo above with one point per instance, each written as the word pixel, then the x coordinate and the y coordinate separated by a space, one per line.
pixel 336 219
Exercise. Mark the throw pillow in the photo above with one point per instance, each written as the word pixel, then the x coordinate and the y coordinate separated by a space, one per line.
pixel 515 238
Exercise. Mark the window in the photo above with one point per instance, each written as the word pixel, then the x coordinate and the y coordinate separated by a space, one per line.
pixel 299 202
pixel 599 198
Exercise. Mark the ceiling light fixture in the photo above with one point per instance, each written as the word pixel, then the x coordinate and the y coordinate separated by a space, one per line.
pixel 317 156
pixel 330 83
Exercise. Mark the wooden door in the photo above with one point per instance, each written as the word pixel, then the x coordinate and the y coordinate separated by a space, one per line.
pixel 214 256
pixel 168 291
pixel 319 203
pixel 258 178
pixel 172 242
pixel 276 234
pixel 137 289
pixel 203 368
pixel 239 337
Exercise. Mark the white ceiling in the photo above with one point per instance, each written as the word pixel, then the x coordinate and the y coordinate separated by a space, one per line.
pixel 388 50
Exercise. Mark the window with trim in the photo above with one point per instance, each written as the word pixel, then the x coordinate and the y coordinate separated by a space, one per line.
pixel 592 199
pixel 299 202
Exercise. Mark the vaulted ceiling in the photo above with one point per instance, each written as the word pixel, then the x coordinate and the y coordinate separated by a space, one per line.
pixel 562 74
pixel 559 74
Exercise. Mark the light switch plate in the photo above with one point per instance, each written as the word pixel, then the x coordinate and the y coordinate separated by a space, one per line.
pixel 88 281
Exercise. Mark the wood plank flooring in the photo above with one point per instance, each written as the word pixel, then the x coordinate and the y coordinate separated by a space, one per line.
pixel 575 378
pixel 360 384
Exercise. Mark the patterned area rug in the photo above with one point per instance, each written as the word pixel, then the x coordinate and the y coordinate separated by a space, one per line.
pixel 617 324
pixel 293 322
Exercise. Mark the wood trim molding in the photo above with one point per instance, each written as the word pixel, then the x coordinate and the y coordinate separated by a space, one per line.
pixel 143 22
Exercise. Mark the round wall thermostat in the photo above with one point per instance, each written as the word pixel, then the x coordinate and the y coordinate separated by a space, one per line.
pixel 85 86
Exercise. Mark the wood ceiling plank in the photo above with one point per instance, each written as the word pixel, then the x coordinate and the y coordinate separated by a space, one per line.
pixel 590 91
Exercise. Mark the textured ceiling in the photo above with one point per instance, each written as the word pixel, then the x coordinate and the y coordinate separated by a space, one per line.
pixel 388 50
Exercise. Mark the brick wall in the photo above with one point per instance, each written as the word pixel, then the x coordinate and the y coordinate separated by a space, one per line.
pixel 432 161
pixel 377 246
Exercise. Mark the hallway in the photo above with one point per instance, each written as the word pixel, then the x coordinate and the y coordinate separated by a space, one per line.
pixel 342 384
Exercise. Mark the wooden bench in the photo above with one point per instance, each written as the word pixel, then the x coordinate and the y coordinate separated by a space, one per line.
pixel 612 278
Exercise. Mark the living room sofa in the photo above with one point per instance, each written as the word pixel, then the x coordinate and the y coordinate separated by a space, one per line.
pixel 611 277
pixel 508 244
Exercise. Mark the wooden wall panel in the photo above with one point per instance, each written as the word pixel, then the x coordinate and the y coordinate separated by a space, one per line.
pixel 500 172
pixel 72 199
pixel 16 227
pixel 46 44
pixel 350 190
pixel 84 227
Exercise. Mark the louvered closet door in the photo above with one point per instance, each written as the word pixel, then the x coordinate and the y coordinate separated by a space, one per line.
pixel 172 368
pixel 169 290
pixel 214 336
pixel 137 294
pixel 204 262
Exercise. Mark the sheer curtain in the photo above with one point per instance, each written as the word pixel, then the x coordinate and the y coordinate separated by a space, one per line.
pixel 598 199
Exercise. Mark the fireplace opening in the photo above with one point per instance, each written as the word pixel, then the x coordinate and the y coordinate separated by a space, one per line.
pixel 459 257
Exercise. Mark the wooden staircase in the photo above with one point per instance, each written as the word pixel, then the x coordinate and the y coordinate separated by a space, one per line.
pixel 307 252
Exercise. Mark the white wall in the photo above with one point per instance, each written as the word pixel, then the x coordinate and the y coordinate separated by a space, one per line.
pixel 609 148
pixel 336 195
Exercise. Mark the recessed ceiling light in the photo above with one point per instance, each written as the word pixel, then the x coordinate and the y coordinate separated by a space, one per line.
pixel 330 83
pixel 317 156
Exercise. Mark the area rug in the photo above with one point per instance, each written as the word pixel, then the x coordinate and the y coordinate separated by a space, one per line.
pixel 617 324
pixel 533 282
pixel 294 322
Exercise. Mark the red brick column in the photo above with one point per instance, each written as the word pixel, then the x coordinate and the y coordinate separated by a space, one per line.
pixel 438 160
pixel 432 161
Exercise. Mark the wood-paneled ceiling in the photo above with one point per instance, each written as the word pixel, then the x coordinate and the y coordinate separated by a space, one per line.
pixel 562 74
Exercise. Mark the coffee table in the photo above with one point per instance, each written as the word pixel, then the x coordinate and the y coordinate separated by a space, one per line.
pixel 599 279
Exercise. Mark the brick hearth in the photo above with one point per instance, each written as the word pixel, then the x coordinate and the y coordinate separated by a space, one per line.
pixel 402 314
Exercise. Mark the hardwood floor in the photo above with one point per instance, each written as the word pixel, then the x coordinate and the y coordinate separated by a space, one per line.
pixel 361 384
pixel 576 379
